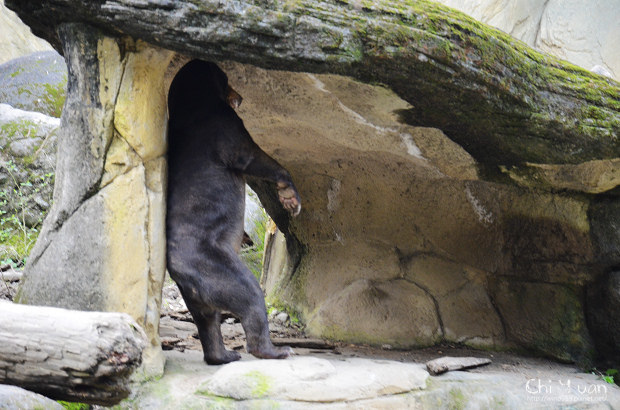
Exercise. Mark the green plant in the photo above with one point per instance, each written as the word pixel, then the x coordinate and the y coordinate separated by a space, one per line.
pixel 54 97
pixel 610 375
pixel 17 232
pixel 74 406
pixel 23 129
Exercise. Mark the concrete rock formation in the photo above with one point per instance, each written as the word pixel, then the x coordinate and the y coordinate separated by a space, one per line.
pixel 35 82
pixel 16 40
pixel 582 33
pixel 485 229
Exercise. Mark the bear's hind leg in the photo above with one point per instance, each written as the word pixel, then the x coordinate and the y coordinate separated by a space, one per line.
pixel 208 322
pixel 238 292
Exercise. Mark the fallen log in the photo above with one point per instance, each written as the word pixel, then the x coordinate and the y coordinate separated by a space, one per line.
pixel 69 355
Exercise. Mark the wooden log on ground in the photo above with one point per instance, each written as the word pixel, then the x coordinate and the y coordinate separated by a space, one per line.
pixel 69 355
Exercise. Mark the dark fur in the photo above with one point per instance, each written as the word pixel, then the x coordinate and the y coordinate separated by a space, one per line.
pixel 209 153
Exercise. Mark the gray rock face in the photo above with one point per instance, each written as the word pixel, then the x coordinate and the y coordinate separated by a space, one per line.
pixel 35 82
pixel 495 90
pixel 335 382
pixel 581 33
pixel 448 364
pixel 16 398
pixel 16 40
pixel 308 379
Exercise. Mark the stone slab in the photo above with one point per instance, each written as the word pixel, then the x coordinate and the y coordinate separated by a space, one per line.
pixel 530 384
pixel 447 364
pixel 310 379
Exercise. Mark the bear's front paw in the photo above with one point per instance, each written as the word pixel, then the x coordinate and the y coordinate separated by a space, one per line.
pixel 289 198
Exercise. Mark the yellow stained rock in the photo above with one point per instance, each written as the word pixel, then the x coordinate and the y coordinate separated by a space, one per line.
pixel 140 114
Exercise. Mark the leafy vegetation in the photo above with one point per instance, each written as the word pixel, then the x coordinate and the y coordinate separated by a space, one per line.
pixel 18 225
pixel 74 406
pixel 610 376
pixel 24 128
pixel 53 98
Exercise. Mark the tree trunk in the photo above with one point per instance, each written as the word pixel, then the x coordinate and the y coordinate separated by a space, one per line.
pixel 69 355
pixel 502 101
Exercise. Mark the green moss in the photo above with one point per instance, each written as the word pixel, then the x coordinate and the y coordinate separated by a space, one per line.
pixel 261 383
pixel 16 73
pixel 74 406
pixel 54 97
pixel 498 403
pixel 21 128
pixel 217 402
pixel 458 401
pixel 290 311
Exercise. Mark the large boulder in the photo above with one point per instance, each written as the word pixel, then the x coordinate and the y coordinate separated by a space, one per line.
pixel 582 33
pixel 35 82
pixel 15 37
pixel 456 184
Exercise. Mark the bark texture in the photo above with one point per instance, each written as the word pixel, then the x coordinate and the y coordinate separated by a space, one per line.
pixel 502 101
pixel 69 355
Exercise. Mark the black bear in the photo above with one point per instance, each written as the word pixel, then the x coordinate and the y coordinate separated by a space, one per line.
pixel 209 154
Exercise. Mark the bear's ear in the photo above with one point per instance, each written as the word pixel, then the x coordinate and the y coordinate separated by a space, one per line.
pixel 219 81
pixel 233 98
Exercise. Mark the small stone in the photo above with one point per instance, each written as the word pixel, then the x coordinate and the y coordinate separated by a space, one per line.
pixel 281 318
pixel 42 203
pixel 24 147
pixel 230 321
pixel 446 364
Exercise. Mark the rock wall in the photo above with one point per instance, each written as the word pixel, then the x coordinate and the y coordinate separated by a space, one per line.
pixel 405 244
pixel 584 33
pixel 406 237
pixel 102 247
pixel 16 40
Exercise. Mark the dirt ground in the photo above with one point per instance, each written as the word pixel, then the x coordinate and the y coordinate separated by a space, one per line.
pixel 179 332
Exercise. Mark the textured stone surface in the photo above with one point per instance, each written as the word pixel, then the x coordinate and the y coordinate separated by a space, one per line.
pixel 308 379
pixel 547 317
pixel 391 208
pixel 395 312
pixel 140 114
pixel 16 40
pixel 16 398
pixel 507 103
pixel 448 364
pixel 35 82
pixel 582 33
pixel 102 245
pixel 186 379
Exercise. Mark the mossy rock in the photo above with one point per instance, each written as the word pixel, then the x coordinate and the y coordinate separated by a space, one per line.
pixel 36 82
